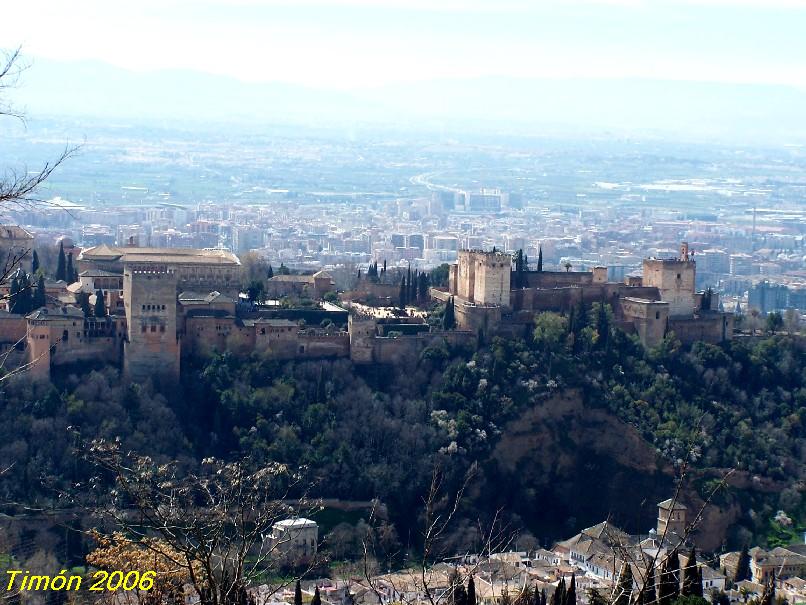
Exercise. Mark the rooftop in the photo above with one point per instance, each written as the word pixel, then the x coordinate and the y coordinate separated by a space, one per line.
pixel 179 256
pixel 297 522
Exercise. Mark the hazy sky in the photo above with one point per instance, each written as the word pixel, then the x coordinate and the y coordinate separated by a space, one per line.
pixel 359 43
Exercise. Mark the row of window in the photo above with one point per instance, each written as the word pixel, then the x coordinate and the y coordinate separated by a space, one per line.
pixel 144 328
pixel 153 307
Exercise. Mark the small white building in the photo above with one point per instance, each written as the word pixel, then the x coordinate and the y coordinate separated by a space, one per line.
pixel 295 539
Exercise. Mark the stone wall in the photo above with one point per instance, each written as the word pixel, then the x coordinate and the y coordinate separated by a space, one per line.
pixel 713 327
pixel 397 350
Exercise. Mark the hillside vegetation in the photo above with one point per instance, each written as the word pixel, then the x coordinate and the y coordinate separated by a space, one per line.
pixel 579 410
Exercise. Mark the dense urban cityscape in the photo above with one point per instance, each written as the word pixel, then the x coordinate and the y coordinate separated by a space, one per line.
pixel 334 302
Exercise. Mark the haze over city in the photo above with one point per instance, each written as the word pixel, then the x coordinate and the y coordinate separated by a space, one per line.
pixel 386 302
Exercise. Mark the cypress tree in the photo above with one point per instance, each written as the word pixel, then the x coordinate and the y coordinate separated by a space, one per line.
pixel 543 598
pixel 84 303
pixel 34 263
pixel 449 317
pixel 317 599
pixel 422 286
pixel 69 272
pixel 623 594
pixel 403 292
pixel 692 585
pixel 647 596
pixel 25 295
pixel 540 259
pixel 61 267
pixel 560 592
pixel 100 304
pixel 471 591
pixel 603 326
pixel 40 298
pixel 14 296
pixel 571 595
pixel 270 272
pixel 743 566
pixel 581 315
pixel 768 596
pixel 669 586
pixel 298 594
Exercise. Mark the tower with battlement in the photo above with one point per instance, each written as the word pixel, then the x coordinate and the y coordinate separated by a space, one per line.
pixel 482 277
pixel 674 279
pixel 151 348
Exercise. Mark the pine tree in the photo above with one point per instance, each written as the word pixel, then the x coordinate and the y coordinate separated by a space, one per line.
pixel 623 594
pixel 100 304
pixel 571 595
pixel 270 272
pixel 298 594
pixel 540 259
pixel 743 566
pixel 40 298
pixel 317 599
pixel 69 272
pixel 34 263
pixel 471 591
pixel 61 267
pixel 692 585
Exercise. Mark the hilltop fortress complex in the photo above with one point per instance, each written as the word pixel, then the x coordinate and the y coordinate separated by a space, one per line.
pixel 662 300
pixel 169 305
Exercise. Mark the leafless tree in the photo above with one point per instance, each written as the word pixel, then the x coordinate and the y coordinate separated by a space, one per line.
pixel 218 520
pixel 19 188
pixel 625 552
pixel 439 513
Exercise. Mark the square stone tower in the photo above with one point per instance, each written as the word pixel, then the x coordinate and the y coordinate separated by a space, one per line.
pixel 674 278
pixel 671 519
pixel 483 277
pixel 152 346
pixel 493 272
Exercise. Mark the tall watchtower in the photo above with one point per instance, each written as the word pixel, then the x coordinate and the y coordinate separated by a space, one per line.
pixel 152 346
pixel 675 279
pixel 492 278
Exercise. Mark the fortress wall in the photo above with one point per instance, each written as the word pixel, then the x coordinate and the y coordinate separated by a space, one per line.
pixel 557 279
pixel 711 327
pixel 12 328
pixel 317 346
pixel 396 350
pixel 89 349
pixel 477 319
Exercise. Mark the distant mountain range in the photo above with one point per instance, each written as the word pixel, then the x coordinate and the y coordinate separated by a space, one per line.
pixel 697 110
